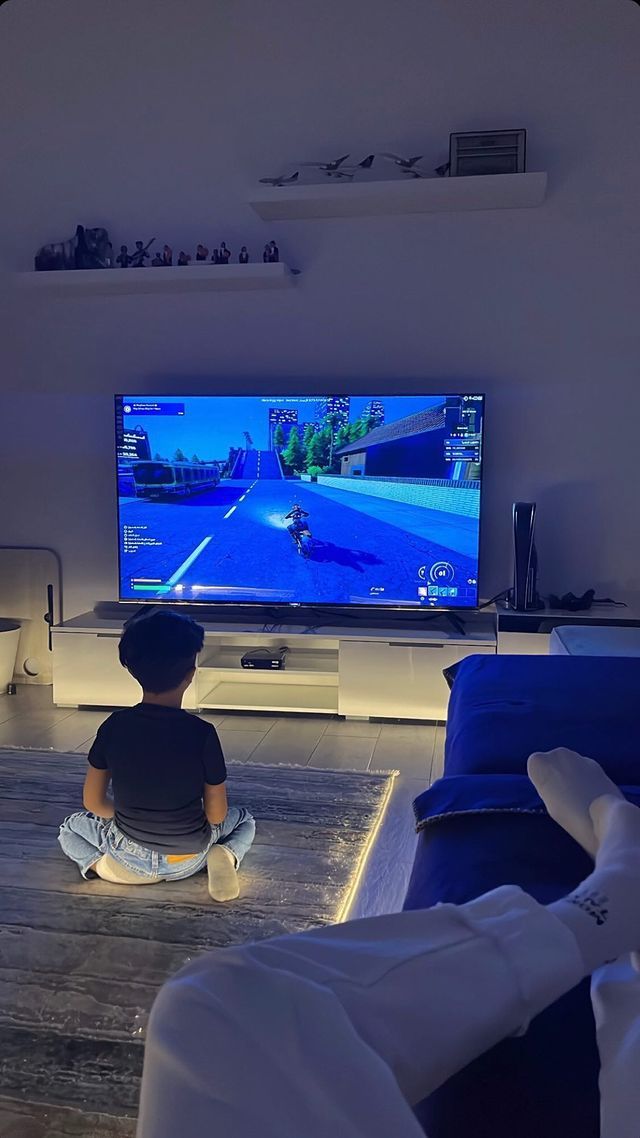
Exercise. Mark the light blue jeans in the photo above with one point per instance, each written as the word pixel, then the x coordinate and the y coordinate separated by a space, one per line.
pixel 85 838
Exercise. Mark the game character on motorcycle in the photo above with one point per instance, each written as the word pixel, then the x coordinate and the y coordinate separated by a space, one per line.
pixel 298 523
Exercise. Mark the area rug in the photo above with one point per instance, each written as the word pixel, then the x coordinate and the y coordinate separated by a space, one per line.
pixel 81 961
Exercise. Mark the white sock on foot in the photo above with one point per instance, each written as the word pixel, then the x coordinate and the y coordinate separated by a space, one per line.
pixel 603 913
pixel 568 784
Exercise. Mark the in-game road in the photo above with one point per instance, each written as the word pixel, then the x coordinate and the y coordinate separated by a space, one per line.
pixel 234 539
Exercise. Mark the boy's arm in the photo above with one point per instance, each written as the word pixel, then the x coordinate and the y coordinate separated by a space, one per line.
pixel 214 795
pixel 94 794
pixel 215 803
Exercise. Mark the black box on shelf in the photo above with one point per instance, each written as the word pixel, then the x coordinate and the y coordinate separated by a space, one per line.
pixel 487 152
pixel 265 658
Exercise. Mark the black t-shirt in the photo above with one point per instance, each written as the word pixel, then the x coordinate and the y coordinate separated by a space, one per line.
pixel 160 759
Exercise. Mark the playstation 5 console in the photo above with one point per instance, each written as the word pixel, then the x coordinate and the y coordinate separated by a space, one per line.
pixel 524 597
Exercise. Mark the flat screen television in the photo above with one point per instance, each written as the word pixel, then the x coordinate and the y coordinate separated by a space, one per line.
pixel 300 500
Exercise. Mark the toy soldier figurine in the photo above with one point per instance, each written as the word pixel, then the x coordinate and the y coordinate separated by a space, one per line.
pixel 274 252
pixel 167 255
pixel 215 257
pixel 158 259
pixel 266 254
pixel 123 259
pixel 184 258
pixel 243 256
pixel 141 255
pixel 225 254
pixel 202 253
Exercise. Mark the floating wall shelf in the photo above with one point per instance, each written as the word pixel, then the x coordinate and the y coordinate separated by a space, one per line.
pixel 416 195
pixel 170 279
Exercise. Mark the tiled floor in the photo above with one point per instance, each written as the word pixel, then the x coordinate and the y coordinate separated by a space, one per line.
pixel 29 719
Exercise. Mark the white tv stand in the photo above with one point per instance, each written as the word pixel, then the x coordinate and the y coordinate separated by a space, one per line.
pixel 393 672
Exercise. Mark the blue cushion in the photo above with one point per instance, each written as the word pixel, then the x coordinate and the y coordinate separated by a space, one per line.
pixel 504 707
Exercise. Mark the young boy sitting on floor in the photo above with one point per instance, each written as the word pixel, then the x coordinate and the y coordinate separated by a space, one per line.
pixel 169 816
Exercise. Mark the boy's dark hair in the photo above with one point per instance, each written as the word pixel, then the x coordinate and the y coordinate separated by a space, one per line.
pixel 160 649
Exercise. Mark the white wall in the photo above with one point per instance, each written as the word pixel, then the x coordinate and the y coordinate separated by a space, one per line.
pixel 156 118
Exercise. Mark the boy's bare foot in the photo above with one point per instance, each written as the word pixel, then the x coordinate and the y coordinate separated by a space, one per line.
pixel 223 875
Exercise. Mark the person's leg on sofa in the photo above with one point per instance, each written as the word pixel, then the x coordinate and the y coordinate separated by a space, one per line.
pixel 342 1029
pixel 576 792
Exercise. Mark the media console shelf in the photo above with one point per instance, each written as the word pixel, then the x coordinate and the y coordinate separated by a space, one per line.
pixel 528 633
pixel 308 683
pixel 359 672
pixel 393 672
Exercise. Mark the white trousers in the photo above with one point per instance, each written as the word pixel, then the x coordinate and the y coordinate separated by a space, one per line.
pixel 615 995
pixel 340 1030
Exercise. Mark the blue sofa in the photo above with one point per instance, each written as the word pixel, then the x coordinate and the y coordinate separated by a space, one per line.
pixel 482 825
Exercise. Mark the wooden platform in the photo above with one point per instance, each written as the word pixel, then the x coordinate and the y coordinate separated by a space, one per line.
pixel 81 962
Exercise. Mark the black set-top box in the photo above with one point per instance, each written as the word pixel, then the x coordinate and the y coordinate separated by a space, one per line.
pixel 265 658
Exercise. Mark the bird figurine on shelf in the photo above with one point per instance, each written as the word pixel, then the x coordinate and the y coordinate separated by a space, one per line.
pixel 282 180
pixel 405 164
pixel 328 168
pixel 349 172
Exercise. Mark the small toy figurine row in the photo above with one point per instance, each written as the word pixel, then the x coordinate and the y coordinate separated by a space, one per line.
pixel 221 256
pixel 91 249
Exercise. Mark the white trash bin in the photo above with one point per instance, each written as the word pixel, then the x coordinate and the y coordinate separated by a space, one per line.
pixel 9 637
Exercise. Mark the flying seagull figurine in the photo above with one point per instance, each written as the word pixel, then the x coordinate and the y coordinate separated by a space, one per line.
pixel 283 180
pixel 350 171
pixel 328 168
pixel 405 164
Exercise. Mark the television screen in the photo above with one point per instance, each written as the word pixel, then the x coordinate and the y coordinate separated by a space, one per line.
pixel 340 500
